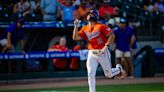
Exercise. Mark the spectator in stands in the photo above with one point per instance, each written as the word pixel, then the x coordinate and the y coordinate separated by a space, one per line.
pixel 93 5
pixel 38 4
pixel 82 11
pixel 49 10
pixel 76 2
pixel 21 8
pixel 106 11
pixel 63 2
pixel 88 2
pixel 124 38
pixel 159 6
pixel 59 64
pixel 33 5
pixel 75 62
pixel 13 35
pixel 38 11
pixel 30 12
pixel 149 6
pixel 68 11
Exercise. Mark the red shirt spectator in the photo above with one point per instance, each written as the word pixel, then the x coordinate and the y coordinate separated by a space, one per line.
pixel 82 11
pixel 106 11
pixel 75 62
pixel 60 64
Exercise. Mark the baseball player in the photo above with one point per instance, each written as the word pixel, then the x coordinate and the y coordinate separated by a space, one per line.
pixel 99 37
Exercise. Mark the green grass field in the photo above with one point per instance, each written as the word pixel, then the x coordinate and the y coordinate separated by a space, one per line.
pixel 157 87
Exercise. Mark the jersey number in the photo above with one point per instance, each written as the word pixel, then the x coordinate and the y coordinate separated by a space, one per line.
pixel 99 41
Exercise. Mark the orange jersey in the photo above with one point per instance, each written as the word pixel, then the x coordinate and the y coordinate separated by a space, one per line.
pixel 96 36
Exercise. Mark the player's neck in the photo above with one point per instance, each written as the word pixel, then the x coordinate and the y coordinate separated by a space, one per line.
pixel 91 24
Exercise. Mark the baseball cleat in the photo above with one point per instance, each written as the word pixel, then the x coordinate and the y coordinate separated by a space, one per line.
pixel 119 66
pixel 122 71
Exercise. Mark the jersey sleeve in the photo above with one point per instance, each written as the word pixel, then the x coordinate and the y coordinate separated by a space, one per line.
pixel 81 32
pixel 106 30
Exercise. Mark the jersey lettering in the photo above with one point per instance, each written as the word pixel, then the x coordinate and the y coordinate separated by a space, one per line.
pixel 92 34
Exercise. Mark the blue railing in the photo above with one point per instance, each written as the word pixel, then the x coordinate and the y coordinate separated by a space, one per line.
pixel 59 24
pixel 40 55
pixel 159 50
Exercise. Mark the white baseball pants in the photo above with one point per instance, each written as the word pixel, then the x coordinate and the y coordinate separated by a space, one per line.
pixel 94 59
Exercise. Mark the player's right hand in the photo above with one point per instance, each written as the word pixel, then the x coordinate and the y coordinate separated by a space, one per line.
pixel 76 22
pixel 103 50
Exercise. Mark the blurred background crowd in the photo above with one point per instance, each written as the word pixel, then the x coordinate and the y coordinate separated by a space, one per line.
pixel 63 10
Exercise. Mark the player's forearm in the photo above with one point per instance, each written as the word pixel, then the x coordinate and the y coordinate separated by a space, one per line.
pixel 75 30
pixel 75 35
pixel 108 43
pixel 110 39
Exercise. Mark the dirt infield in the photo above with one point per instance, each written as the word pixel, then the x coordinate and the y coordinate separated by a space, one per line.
pixel 69 82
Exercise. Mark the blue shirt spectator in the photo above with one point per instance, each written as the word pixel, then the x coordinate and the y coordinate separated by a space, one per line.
pixel 68 12
pixel 49 9
pixel 123 37
pixel 16 33
pixel 12 36
pixel 125 40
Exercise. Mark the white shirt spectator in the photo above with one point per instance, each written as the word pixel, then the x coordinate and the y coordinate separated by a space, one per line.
pixel 23 7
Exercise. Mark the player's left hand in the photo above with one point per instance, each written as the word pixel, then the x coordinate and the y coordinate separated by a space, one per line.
pixel 103 50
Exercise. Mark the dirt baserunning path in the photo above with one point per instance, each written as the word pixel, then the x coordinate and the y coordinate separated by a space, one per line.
pixel 69 82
